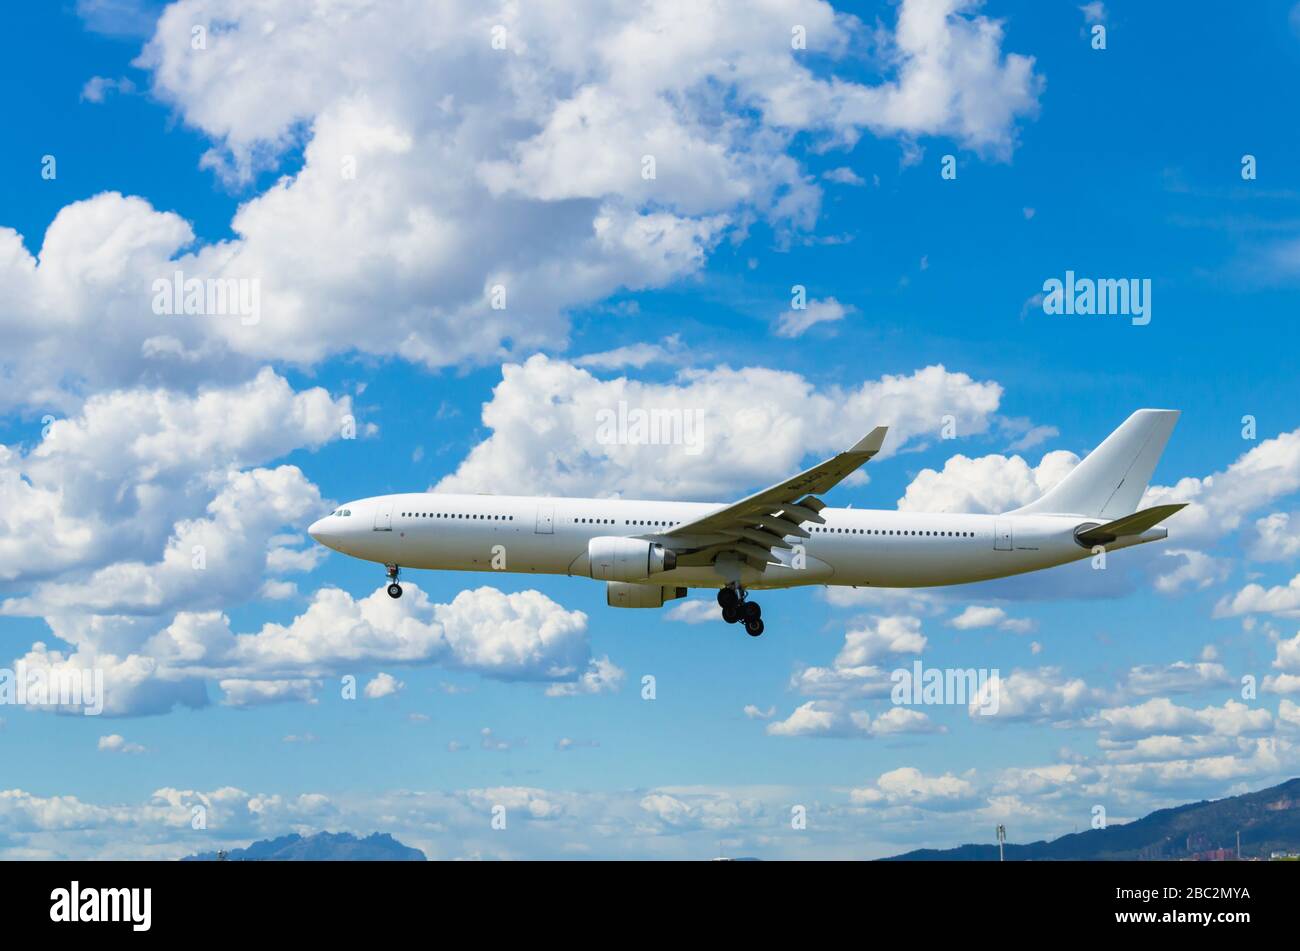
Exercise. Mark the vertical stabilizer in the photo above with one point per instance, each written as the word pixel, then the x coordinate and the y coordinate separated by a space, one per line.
pixel 1109 483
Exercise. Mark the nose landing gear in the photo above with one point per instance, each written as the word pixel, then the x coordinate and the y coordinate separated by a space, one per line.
pixel 394 589
pixel 736 609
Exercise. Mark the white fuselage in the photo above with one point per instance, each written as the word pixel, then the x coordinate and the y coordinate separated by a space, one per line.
pixel 857 547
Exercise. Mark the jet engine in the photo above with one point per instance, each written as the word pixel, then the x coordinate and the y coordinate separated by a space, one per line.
pixel 611 558
pixel 621 594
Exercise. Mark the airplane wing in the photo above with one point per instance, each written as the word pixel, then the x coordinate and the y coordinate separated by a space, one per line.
pixel 755 525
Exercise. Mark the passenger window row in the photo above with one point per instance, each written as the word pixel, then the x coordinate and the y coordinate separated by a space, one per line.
pixel 826 529
pixel 460 515
pixel 614 521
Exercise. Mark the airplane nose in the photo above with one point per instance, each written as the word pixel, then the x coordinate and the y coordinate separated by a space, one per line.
pixel 317 530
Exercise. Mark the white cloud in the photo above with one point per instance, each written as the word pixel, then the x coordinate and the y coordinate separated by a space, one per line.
pixel 523 636
pixel 116 743
pixel 988 484
pixel 694 611
pixel 888 637
pixel 821 718
pixel 1198 571
pixel 1289 713
pixel 908 786
pixel 977 616
pixel 206 562
pixel 793 323
pixel 1161 717
pixel 1178 677
pixel 547 437
pixel 1282 600
pixel 383 685
pixel 435 167
pixel 99 88
pixel 900 720
pixel 856 670
pixel 1219 502
pixel 843 176
pixel 637 355
pixel 1277 537
pixel 111 482
pixel 1288 655
pixel 253 693
pixel 601 676
pixel 1094 12
pixel 830 718
pixel 1043 694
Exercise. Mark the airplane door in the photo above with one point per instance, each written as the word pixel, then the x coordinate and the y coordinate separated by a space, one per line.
pixel 545 519
pixel 384 516
pixel 1002 535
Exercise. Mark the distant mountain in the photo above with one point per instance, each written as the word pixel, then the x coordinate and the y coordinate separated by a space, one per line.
pixel 321 847
pixel 1268 820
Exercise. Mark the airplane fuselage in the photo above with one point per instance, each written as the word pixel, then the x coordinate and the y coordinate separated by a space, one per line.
pixel 855 547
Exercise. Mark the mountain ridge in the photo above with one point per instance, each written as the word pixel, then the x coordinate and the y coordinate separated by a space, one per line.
pixel 319 847
pixel 1268 820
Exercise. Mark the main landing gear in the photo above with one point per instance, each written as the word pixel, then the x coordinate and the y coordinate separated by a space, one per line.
pixel 394 589
pixel 735 608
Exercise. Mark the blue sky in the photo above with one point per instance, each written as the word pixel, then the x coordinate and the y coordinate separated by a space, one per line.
pixel 819 168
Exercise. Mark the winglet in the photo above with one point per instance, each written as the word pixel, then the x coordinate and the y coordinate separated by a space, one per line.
pixel 872 441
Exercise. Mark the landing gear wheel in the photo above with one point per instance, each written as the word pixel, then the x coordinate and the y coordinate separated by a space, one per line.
pixel 751 611
pixel 727 597
pixel 394 590
pixel 732 614
pixel 754 627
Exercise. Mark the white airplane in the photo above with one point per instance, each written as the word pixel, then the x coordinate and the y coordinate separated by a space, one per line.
pixel 785 536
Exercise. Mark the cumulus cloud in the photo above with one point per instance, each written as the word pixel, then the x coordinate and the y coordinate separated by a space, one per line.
pixel 988 484
pixel 1282 600
pixel 438 167
pixel 1218 503
pixel 977 616
pixel 829 718
pixel 382 685
pixel 552 427
pixel 515 637
pixel 1043 694
pixel 1197 571
pixel 1161 717
pixel 110 482
pixel 694 611
pixel 116 743
pixel 1177 677
pixel 1277 537
pixel 857 669
pixel 908 786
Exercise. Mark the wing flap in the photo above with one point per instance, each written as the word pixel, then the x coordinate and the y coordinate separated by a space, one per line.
pixel 755 525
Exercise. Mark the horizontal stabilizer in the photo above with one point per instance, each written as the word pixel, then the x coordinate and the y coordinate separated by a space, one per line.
pixel 1134 524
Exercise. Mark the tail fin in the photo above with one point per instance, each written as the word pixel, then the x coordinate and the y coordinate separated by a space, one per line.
pixel 1109 483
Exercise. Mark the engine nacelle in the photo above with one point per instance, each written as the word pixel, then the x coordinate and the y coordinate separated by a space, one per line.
pixel 622 594
pixel 610 558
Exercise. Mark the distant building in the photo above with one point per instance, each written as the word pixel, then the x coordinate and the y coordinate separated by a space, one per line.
pixel 1215 855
